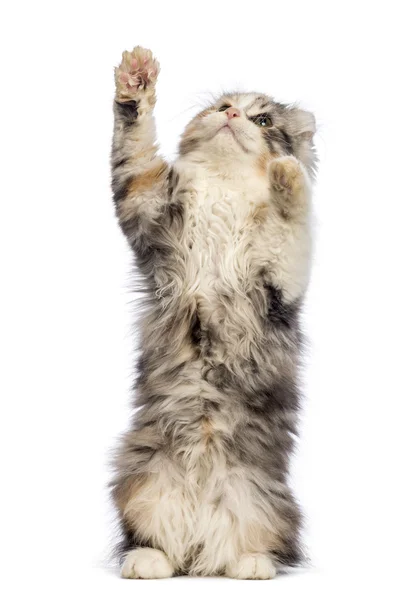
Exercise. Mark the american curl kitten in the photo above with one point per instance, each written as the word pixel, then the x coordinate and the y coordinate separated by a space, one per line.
pixel 221 239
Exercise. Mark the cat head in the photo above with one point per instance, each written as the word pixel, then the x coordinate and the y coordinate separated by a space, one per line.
pixel 250 127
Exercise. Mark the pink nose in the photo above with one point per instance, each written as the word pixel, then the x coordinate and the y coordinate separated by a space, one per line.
pixel 232 112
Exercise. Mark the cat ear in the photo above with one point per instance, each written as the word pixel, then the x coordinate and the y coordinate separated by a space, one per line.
pixel 303 123
pixel 302 127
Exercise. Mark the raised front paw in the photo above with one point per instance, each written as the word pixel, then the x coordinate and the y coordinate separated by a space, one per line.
pixel 290 187
pixel 137 71
pixel 286 175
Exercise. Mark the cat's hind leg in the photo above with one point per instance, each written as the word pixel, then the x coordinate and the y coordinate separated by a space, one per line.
pixel 153 514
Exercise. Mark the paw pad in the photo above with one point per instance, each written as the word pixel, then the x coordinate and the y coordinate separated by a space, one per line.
pixel 137 71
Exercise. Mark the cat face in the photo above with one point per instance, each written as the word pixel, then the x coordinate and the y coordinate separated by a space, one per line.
pixel 250 127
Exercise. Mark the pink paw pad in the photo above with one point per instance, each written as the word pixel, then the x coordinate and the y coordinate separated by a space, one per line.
pixel 137 70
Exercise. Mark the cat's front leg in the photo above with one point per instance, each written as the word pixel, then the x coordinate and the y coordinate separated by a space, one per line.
pixel 287 242
pixel 139 175
pixel 290 188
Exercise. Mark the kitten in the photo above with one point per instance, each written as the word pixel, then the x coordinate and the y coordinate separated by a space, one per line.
pixel 222 240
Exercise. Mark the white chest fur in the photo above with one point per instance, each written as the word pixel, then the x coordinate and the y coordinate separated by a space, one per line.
pixel 221 219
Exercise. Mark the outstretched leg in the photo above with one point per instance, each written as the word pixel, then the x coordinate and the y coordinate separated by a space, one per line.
pixel 139 175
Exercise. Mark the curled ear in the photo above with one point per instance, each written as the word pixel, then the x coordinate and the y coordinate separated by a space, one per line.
pixel 301 125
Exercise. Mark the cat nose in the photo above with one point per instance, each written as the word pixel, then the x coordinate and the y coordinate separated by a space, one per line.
pixel 232 112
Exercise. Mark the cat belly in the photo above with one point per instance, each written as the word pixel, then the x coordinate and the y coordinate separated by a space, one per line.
pixel 203 516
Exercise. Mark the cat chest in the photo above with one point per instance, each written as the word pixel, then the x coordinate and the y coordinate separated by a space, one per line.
pixel 220 229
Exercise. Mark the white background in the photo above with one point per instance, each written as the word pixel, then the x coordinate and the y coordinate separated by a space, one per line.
pixel 67 309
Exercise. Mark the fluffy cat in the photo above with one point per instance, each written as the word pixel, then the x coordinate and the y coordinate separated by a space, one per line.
pixel 222 241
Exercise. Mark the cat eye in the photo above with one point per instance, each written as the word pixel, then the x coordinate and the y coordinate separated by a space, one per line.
pixel 262 120
pixel 224 107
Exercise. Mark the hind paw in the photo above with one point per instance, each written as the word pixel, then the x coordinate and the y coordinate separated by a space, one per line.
pixel 146 563
pixel 252 566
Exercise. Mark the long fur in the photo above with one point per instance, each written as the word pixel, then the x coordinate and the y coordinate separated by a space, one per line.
pixel 222 241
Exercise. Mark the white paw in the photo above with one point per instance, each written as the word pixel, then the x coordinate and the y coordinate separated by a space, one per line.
pixel 146 563
pixel 252 566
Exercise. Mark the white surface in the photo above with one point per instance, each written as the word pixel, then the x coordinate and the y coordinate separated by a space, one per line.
pixel 66 309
